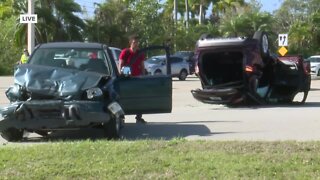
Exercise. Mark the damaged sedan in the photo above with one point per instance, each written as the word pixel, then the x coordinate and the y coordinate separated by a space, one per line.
pixel 73 85
pixel 242 70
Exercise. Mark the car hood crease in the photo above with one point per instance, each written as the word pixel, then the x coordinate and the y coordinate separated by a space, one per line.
pixel 54 81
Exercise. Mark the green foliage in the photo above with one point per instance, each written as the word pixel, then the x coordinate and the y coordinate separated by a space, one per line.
pixel 246 21
pixel 56 21
pixel 301 20
pixel 185 40
pixel 174 159
pixel 111 24
pixel 145 22
pixel 10 54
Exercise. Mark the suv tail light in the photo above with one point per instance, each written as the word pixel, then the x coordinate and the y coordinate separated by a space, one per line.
pixel 306 67
pixel 249 69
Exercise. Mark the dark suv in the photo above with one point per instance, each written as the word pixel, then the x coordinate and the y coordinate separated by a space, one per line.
pixel 242 70
pixel 71 85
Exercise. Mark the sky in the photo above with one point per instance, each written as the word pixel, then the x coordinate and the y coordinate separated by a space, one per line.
pixel 270 5
pixel 267 5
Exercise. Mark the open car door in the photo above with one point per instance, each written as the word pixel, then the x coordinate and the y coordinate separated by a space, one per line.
pixel 146 94
pixel 292 75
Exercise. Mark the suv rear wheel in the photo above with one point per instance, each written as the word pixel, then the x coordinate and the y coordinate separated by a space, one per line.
pixel 263 41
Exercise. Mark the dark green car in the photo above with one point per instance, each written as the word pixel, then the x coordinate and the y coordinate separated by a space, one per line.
pixel 73 85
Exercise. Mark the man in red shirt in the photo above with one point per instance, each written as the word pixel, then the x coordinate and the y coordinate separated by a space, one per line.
pixel 128 58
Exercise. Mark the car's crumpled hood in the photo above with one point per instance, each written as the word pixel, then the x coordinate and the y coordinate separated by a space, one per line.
pixel 52 81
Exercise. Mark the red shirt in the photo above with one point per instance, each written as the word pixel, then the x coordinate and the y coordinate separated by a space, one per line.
pixel 126 55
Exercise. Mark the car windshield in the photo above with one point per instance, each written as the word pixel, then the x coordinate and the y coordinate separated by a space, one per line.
pixel 314 59
pixel 72 58
pixel 155 60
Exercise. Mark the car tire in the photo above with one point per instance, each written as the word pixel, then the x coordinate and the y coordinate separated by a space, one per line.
pixel 183 75
pixel 12 134
pixel 113 128
pixel 263 42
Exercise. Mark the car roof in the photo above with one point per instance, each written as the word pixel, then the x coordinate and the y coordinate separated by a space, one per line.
pixel 71 45
pixel 315 56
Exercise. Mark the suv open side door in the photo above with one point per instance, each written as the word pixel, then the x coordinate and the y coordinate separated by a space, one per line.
pixel 146 94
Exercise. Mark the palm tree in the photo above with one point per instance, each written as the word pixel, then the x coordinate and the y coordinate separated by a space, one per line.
pixel 56 21
pixel 199 8
pixel 221 6
pixel 111 23
pixel 169 5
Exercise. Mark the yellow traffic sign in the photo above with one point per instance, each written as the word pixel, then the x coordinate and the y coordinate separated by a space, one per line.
pixel 283 51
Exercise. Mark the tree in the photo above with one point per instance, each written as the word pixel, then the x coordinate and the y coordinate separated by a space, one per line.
pixel 147 22
pixel 221 6
pixel 200 7
pixel 301 20
pixel 56 21
pixel 111 24
pixel 168 8
pixel 247 21
pixel 10 54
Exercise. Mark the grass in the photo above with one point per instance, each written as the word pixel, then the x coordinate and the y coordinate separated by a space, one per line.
pixel 149 159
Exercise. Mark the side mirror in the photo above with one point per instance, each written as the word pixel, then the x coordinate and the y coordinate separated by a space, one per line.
pixel 126 71
pixel 163 63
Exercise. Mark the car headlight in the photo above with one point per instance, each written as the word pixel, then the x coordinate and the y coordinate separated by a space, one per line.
pixel 15 93
pixel 94 93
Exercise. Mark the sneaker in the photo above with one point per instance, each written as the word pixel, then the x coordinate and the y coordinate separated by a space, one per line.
pixel 141 121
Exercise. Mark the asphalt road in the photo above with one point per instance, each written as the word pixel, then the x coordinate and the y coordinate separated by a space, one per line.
pixel 191 119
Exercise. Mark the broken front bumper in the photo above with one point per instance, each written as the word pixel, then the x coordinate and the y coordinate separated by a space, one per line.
pixel 217 96
pixel 55 114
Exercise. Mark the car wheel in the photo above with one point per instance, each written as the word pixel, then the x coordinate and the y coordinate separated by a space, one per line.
pixel 158 72
pixel 12 134
pixel 183 75
pixel 263 42
pixel 113 128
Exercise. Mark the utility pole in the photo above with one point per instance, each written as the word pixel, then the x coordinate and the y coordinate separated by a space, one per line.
pixel 175 13
pixel 175 19
pixel 187 14
pixel 31 36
